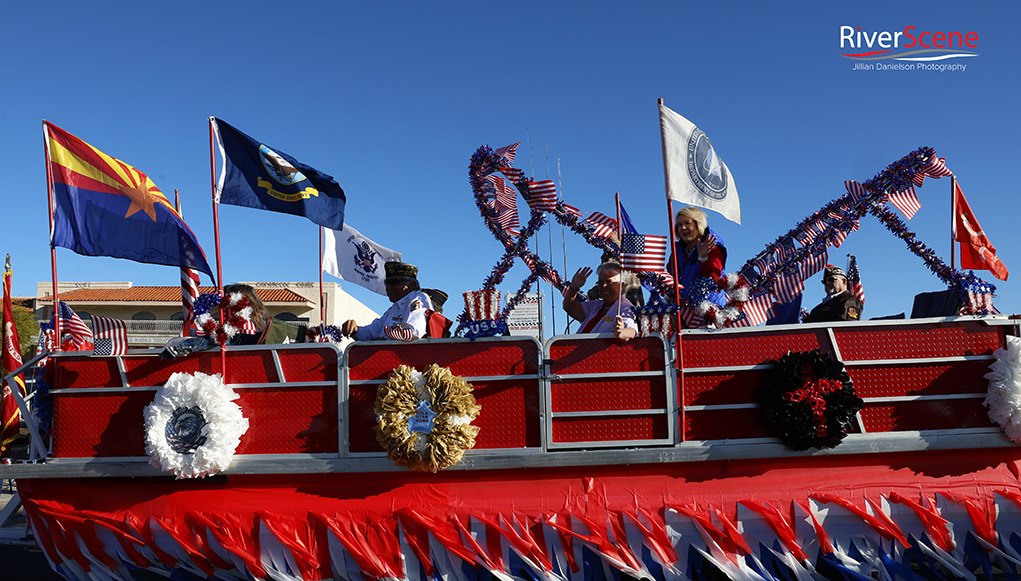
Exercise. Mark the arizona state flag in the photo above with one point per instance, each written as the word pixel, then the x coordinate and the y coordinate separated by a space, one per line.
pixel 104 207
pixel 977 252
pixel 257 176
pixel 10 416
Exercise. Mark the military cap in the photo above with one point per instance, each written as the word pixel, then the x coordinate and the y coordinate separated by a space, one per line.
pixel 437 296
pixel 833 271
pixel 400 269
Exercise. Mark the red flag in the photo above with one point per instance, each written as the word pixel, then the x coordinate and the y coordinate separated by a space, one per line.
pixel 977 252
pixel 10 415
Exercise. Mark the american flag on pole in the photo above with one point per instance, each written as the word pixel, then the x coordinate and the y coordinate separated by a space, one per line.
pixel 505 205
pixel 542 195
pixel 814 263
pixel 111 336
pixel 507 152
pixel 757 311
pixel 856 190
pixel 572 210
pixel 937 169
pixel 602 224
pixel 70 322
pixel 513 174
pixel 854 279
pixel 189 292
pixel 906 201
pixel 643 252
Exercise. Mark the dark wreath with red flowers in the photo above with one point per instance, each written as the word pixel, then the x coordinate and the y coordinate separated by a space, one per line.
pixel 808 401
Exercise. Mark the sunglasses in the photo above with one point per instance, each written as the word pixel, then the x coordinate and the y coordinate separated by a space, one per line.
pixel 393 281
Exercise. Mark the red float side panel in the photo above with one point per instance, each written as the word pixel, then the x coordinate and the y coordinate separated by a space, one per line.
pixel 723 388
pixel 290 420
pixel 606 355
pixel 74 372
pixel 724 424
pixel 917 341
pixel 88 425
pixel 721 350
pixel 309 364
pixel 152 371
pixel 478 359
pixel 596 394
pixel 509 417
pixel 609 429
pixel 925 415
pixel 925 379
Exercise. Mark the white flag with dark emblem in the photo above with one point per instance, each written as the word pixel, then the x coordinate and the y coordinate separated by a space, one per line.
pixel 352 257
pixel 695 173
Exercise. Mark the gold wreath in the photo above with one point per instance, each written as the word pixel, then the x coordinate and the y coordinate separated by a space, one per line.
pixel 450 398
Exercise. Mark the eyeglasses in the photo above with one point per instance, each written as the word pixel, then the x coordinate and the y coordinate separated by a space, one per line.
pixel 605 282
pixel 829 279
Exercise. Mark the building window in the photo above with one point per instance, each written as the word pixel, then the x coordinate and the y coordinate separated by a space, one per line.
pixel 143 316
pixel 178 316
pixel 285 316
pixel 84 315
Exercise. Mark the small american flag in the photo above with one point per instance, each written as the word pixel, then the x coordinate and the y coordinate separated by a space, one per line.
pixel 787 288
pixel 507 152
pixel 505 205
pixel 189 292
pixel 111 336
pixel 814 263
pixel 856 190
pixel 513 174
pixel 399 332
pixel 542 195
pixel 602 225
pixel 854 279
pixel 643 252
pixel 785 249
pixel 764 264
pixel 757 311
pixel 937 168
pixel 71 323
pixel 572 210
pixel 907 202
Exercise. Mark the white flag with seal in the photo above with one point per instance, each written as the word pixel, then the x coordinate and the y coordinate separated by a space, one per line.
pixel 352 257
pixel 695 174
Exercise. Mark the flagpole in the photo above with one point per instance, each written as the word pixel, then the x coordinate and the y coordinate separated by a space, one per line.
pixel 677 280
pixel 563 246
pixel 216 237
pixel 53 249
pixel 953 217
pixel 322 303
pixel 620 240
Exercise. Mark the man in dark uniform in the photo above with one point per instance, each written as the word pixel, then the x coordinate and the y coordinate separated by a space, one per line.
pixel 839 304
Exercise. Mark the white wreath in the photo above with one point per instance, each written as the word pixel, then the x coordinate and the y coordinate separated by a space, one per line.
pixel 1004 396
pixel 192 428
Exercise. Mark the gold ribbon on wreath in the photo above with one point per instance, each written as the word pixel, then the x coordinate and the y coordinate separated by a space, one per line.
pixel 410 401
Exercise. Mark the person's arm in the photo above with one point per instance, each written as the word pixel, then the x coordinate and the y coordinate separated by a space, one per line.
pixel 712 266
pixel 571 305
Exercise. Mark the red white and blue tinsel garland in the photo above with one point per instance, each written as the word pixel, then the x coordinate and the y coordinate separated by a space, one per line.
pixel 323 334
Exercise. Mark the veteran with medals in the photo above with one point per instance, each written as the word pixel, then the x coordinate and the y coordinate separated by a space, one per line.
pixel 610 313
pixel 405 320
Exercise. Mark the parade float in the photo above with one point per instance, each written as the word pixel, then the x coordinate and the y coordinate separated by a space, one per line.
pixel 860 450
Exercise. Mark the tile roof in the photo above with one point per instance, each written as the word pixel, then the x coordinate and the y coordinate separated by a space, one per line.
pixel 170 294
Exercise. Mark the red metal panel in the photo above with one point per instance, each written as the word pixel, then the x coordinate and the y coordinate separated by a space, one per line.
pixel 594 394
pixel 509 416
pixel 721 350
pixel 609 429
pixel 478 359
pixel 724 424
pixel 929 379
pixel 722 388
pixel 77 372
pixel 917 341
pixel 599 355
pixel 90 425
pixel 289 420
pixel 152 371
pixel 309 364
pixel 925 415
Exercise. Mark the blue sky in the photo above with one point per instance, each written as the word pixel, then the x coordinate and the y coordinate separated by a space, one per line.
pixel 393 98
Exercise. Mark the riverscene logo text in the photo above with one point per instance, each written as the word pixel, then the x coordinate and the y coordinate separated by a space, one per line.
pixel 910 49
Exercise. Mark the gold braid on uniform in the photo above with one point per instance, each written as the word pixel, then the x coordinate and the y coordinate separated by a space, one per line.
pixel 425 418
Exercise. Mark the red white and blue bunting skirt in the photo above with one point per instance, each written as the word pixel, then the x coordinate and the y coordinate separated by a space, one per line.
pixel 822 517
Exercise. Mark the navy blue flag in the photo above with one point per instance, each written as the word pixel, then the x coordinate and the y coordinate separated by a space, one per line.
pixel 256 176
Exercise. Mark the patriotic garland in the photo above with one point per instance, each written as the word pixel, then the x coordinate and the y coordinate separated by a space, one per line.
pixel 807 399
pixel 323 334
pixel 235 306
pixel 192 427
pixel 425 418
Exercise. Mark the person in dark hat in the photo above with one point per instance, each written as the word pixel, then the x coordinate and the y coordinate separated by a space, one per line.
pixel 839 304
pixel 438 298
pixel 405 320
pixel 437 326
